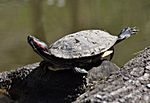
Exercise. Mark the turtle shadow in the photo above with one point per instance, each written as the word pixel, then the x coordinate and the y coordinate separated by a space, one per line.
pixel 64 86
pixel 42 86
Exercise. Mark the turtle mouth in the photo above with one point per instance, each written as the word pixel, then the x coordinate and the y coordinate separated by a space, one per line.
pixel 29 38
pixel 30 41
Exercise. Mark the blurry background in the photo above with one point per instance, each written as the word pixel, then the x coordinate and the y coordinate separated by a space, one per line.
pixel 51 19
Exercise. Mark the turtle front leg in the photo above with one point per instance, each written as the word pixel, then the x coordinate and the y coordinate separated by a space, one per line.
pixel 44 67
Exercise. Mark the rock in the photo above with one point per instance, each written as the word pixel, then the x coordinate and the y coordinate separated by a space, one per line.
pixel 105 83
pixel 148 67
pixel 137 72
pixel 48 86
pixel 128 85
pixel 148 86
pixel 6 99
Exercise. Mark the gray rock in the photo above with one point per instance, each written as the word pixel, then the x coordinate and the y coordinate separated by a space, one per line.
pixel 137 72
pixel 128 85
pixel 103 84
pixel 148 86
pixel 148 67
pixel 47 86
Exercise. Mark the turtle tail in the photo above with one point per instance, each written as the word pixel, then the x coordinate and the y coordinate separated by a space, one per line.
pixel 126 33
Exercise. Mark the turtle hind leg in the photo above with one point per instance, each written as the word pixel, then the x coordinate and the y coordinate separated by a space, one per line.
pixel 112 54
pixel 109 52
pixel 80 70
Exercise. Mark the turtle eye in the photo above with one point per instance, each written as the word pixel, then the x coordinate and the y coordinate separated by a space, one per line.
pixel 42 45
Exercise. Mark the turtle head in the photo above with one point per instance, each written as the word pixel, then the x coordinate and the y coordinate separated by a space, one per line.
pixel 127 32
pixel 38 46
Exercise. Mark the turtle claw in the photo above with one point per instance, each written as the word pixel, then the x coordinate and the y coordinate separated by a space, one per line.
pixel 130 30
pixel 80 70
pixel 133 30
pixel 127 32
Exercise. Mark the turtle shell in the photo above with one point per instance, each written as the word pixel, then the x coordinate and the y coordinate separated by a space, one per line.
pixel 85 43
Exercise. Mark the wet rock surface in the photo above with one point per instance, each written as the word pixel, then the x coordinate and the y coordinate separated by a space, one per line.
pixel 103 84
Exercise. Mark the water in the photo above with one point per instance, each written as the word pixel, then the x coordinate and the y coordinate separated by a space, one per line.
pixel 50 22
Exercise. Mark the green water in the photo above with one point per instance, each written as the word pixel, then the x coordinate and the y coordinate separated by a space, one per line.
pixel 51 20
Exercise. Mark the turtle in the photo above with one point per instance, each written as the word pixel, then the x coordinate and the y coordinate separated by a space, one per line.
pixel 77 50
